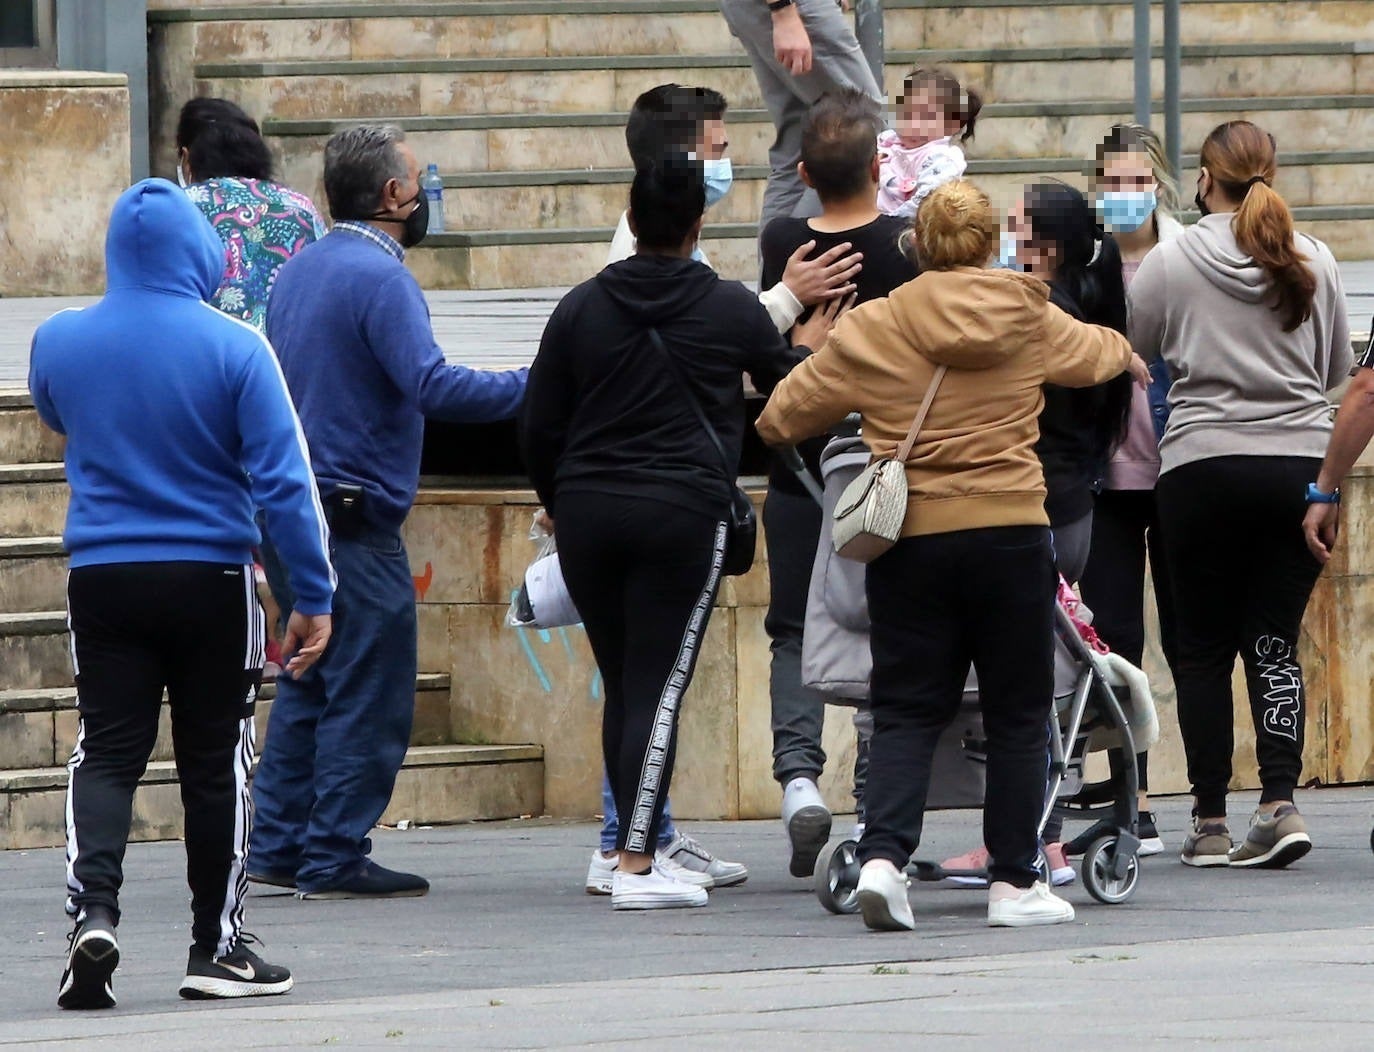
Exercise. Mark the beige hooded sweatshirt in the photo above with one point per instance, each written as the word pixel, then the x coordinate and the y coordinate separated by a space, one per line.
pixel 974 464
pixel 1243 386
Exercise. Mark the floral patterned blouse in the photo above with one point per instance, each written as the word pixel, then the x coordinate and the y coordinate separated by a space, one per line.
pixel 262 225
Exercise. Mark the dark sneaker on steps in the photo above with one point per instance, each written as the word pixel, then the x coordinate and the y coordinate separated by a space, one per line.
pixel 1209 844
pixel 91 961
pixel 239 973
pixel 1273 840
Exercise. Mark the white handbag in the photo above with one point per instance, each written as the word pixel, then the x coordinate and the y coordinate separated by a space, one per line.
pixel 872 509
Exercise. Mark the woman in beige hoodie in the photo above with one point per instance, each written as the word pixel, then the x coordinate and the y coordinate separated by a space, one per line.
pixel 972 579
pixel 1250 318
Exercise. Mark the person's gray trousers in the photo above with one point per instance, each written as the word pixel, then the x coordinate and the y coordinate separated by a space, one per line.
pixel 837 62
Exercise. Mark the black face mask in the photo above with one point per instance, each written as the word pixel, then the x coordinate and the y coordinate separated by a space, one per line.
pixel 1201 204
pixel 415 225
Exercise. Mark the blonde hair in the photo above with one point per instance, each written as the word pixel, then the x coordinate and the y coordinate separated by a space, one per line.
pixel 1125 138
pixel 956 226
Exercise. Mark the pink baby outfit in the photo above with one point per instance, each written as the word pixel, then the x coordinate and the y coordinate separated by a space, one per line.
pixel 906 176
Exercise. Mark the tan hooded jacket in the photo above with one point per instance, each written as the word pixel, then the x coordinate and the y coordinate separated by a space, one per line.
pixel 974 463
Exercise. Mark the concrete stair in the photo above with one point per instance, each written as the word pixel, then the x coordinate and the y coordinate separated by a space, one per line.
pixel 444 779
pixel 522 103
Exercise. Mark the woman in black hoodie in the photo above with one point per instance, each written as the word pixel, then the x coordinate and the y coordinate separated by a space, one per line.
pixel 639 490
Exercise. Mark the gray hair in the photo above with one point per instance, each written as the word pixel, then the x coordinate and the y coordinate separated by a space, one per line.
pixel 358 163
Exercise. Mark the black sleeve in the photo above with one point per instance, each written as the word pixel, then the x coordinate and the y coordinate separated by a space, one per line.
pixel 1366 359
pixel 768 356
pixel 548 406
pixel 774 250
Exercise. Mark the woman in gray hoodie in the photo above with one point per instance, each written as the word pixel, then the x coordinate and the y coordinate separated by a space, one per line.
pixel 1250 318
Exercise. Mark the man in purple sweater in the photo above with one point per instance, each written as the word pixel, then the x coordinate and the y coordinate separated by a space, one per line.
pixel 353 333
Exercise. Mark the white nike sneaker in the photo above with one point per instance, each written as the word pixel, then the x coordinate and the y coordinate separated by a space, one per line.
pixel 687 854
pixel 1012 907
pixel 655 890
pixel 600 873
pixel 807 821
pixel 882 897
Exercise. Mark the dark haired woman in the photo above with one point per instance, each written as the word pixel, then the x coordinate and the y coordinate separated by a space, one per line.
pixel 1055 238
pixel 638 489
pixel 1250 317
pixel 226 168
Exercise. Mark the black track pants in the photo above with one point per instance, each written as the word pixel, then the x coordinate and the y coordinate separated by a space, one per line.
pixel 195 630
pixel 644 576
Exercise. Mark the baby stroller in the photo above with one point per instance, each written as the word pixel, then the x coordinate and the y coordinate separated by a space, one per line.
pixel 1101 701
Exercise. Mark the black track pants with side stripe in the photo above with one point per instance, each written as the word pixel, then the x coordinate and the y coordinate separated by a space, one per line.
pixel 644 575
pixel 196 630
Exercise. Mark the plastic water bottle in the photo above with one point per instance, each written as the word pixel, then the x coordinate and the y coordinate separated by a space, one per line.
pixel 433 187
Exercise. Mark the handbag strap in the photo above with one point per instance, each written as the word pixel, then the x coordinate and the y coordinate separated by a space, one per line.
pixel 904 450
pixel 676 366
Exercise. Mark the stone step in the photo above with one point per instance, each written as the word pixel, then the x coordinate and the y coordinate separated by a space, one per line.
pixel 543 142
pixel 38 727
pixel 595 198
pixel 438 784
pixel 33 574
pixel 569 84
pixel 220 30
pixel 24 439
pixel 33 500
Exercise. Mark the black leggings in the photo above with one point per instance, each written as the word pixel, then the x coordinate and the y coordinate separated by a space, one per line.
pixel 644 576
pixel 939 603
pixel 1242 576
pixel 1125 528
pixel 195 629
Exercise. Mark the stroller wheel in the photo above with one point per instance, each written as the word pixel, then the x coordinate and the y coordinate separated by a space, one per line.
pixel 1098 876
pixel 837 876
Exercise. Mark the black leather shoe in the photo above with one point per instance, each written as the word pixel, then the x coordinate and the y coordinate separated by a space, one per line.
pixel 372 882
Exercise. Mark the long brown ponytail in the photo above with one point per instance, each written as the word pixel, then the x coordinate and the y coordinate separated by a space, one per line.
pixel 1240 157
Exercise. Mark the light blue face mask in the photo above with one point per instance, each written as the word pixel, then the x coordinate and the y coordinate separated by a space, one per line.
pixel 1125 211
pixel 719 177
pixel 1006 257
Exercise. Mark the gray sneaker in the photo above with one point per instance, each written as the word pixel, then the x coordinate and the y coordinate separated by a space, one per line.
pixel 1274 840
pixel 1209 844
pixel 688 854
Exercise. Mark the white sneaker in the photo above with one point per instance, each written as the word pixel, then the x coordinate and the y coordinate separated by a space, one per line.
pixel 601 872
pixel 807 821
pixel 882 897
pixel 1035 905
pixel 655 890
pixel 691 856
pixel 673 868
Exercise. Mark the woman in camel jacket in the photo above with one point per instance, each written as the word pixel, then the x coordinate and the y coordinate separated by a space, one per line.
pixel 972 579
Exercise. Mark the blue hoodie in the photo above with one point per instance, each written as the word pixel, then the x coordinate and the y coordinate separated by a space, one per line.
pixel 177 418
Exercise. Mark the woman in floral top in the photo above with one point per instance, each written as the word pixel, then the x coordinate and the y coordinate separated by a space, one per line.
pixel 226 168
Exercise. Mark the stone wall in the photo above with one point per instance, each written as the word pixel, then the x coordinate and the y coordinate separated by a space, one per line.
pixel 66 159
pixel 469 550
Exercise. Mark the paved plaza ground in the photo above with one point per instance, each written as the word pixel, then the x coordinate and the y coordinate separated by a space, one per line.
pixel 508 952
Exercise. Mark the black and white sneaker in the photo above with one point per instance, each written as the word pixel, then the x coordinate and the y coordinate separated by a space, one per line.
pixel 239 973
pixel 91 962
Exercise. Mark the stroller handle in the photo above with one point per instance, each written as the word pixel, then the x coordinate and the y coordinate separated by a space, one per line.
pixel 792 460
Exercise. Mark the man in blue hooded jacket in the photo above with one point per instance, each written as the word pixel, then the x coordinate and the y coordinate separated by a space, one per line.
pixel 178 424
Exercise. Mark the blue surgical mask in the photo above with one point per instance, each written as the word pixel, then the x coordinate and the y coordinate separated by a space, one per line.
pixel 1006 257
pixel 719 176
pixel 1125 211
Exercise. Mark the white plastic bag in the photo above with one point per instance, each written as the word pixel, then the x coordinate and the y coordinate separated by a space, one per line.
pixel 543 600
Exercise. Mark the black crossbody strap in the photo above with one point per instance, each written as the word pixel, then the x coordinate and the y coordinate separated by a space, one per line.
pixel 676 366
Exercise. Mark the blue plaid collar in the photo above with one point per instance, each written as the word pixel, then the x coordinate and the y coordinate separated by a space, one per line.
pixel 371 233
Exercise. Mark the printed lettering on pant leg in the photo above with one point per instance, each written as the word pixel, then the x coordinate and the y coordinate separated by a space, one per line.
pixel 656 756
pixel 1282 678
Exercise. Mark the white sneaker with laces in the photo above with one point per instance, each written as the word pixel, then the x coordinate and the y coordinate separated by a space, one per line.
pixel 600 873
pixel 882 897
pixel 675 869
pixel 686 853
pixel 1010 907
pixel 655 890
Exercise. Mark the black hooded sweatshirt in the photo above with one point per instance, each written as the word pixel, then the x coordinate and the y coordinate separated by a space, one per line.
pixel 604 413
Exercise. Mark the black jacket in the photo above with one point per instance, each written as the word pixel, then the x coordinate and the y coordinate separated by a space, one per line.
pixel 604 413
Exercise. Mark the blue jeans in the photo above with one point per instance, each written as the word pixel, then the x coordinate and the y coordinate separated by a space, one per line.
pixel 610 824
pixel 337 736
